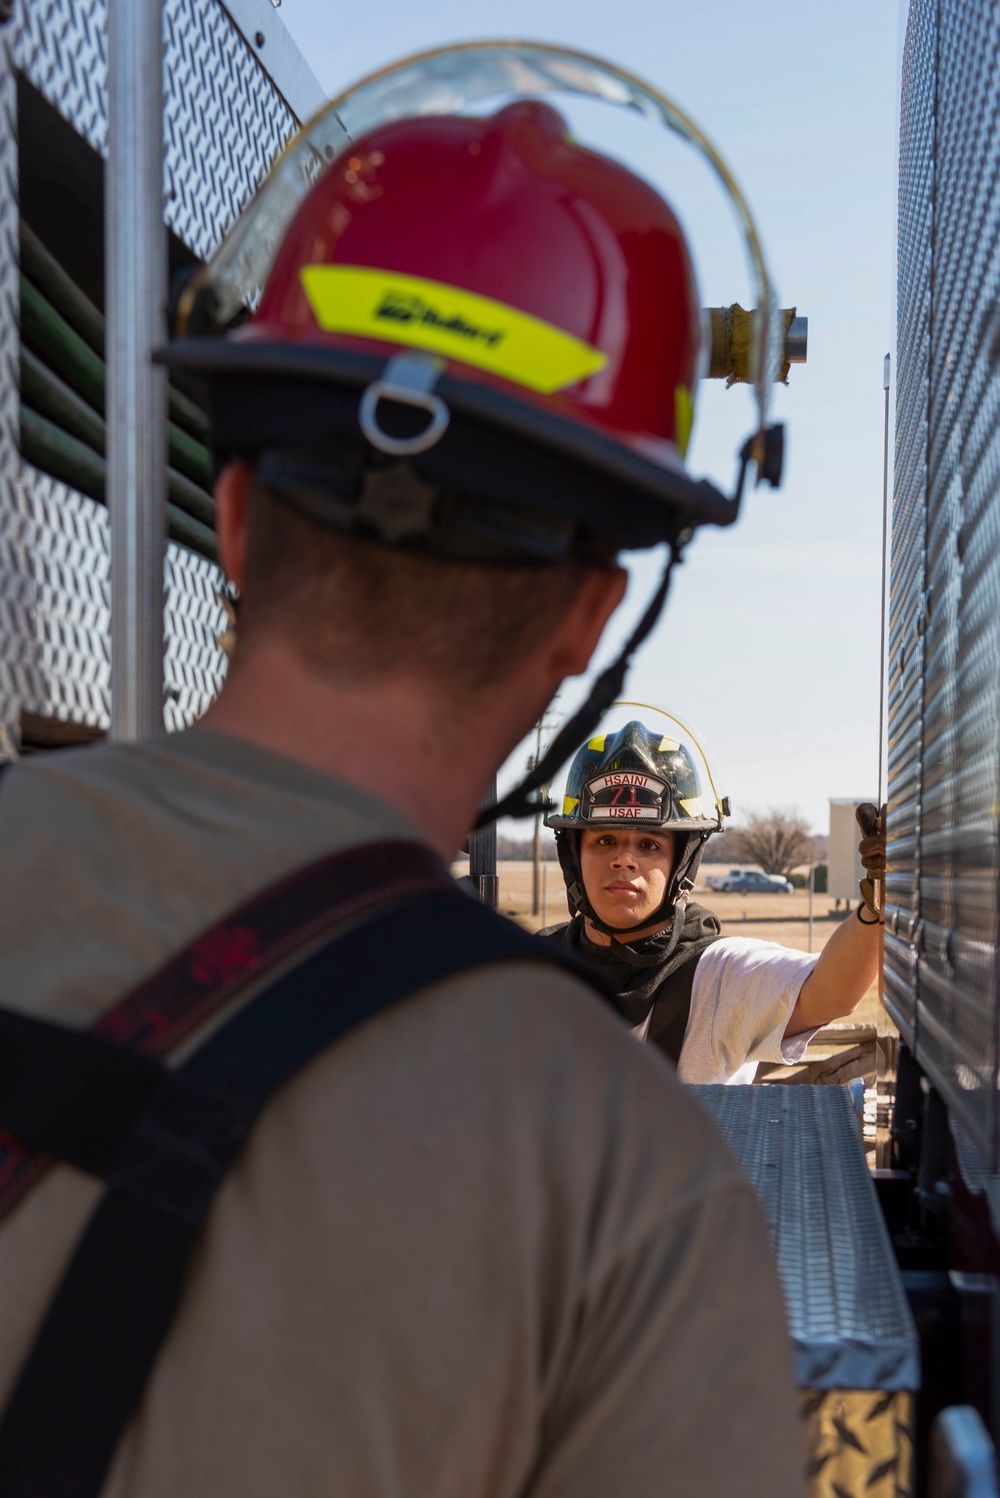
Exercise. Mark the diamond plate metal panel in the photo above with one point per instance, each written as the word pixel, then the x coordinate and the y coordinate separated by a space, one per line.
pixel 224 122
pixel 55 611
pixel 858 1442
pixel 195 666
pixel 54 602
pixel 802 1150
pixel 60 46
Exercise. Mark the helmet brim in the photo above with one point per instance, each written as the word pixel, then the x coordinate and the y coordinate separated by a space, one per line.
pixel 636 476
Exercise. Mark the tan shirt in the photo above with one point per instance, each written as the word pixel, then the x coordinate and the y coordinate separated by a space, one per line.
pixel 485 1246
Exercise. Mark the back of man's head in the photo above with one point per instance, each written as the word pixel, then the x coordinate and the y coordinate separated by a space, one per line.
pixel 357 612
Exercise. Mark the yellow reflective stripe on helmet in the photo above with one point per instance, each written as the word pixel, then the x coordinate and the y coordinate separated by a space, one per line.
pixel 598 744
pixel 570 804
pixel 459 324
pixel 683 417
pixel 692 806
pixel 667 744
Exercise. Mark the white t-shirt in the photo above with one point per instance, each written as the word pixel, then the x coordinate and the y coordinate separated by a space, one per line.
pixel 742 998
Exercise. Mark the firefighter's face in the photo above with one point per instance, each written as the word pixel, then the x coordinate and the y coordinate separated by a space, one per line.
pixel 625 872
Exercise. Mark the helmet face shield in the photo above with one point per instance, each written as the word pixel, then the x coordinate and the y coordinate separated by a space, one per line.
pixel 445 82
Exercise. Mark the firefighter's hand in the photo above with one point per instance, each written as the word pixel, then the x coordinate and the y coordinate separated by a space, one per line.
pixel 872 850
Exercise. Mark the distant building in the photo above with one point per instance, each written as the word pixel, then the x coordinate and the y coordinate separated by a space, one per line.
pixel 845 870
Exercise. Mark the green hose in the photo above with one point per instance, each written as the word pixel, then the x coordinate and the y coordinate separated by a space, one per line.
pixel 52 397
pixel 191 456
pixel 49 448
pixel 63 349
pixel 47 274
pixel 46 394
pixel 187 496
pixel 65 457
pixel 63 381
pixel 62 293
pixel 52 338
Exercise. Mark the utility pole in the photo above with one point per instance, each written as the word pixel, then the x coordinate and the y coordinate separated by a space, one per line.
pixel 812 890
pixel 544 723
pixel 886 380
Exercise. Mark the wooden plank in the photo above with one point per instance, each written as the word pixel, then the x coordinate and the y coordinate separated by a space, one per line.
pixel 843 1066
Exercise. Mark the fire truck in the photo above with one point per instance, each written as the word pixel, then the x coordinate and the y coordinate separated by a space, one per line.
pixel 110 194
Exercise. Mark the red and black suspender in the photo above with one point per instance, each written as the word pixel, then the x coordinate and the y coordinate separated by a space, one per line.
pixel 163 1139
pixel 203 979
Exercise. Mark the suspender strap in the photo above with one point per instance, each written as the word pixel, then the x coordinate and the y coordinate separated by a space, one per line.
pixel 63 1118
pixel 70 1094
pixel 85 1375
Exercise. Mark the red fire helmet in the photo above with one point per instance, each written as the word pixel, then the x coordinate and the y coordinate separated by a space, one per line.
pixel 529 263
pixel 476 338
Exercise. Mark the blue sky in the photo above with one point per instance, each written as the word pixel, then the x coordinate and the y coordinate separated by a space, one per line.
pixel 770 643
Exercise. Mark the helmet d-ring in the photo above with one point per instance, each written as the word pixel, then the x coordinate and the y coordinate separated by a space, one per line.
pixel 408 380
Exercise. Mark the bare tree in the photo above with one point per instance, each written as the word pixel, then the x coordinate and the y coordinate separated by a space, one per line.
pixel 777 840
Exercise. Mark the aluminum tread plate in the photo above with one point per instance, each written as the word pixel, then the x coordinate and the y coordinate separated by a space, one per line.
pixel 224 121
pixel 802 1150
pixel 54 611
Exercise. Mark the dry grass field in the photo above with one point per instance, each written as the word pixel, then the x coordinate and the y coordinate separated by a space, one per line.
pixel 780 918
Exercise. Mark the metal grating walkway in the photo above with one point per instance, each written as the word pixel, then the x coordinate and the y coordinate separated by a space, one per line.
pixel 802 1149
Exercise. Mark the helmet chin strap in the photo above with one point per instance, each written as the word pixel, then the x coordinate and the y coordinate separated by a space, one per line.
pixel 606 689
pixel 672 928
pixel 662 916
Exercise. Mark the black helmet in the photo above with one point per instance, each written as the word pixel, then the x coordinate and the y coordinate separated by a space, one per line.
pixel 635 775
pixel 644 777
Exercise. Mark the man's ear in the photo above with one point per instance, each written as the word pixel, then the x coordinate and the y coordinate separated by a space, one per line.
pixel 232 495
pixel 601 591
